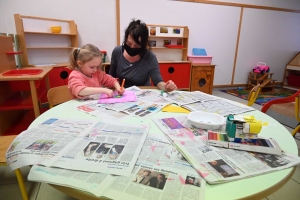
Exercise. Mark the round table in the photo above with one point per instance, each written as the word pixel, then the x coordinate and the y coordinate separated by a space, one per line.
pixel 257 187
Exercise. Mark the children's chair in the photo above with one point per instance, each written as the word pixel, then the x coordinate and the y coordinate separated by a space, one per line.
pixel 286 109
pixel 58 95
pixel 5 141
pixel 297 114
pixel 253 95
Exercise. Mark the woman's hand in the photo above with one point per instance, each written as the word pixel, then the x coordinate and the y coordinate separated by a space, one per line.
pixel 170 86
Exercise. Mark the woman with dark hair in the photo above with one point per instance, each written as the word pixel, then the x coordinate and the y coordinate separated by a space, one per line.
pixel 134 62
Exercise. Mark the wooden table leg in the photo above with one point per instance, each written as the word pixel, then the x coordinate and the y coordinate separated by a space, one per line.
pixel 47 82
pixel 35 101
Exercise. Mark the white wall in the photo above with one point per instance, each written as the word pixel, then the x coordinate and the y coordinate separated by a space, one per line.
pixel 269 36
pixel 95 19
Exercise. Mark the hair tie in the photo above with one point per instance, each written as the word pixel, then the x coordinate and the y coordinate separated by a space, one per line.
pixel 78 49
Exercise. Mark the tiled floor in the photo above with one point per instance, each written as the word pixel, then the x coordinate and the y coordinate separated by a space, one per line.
pixel 9 189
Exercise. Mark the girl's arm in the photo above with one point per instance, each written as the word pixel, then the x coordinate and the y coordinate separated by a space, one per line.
pixel 95 90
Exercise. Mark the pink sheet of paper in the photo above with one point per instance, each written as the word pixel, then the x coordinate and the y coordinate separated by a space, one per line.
pixel 126 97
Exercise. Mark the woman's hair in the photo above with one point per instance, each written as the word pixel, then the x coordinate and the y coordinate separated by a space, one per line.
pixel 138 29
pixel 83 54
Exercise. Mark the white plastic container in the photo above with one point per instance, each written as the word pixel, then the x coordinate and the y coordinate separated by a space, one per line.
pixel 200 59
pixel 206 120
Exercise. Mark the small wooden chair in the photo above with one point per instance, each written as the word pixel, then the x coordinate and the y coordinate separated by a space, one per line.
pixel 58 95
pixel 297 115
pixel 253 95
pixel 5 141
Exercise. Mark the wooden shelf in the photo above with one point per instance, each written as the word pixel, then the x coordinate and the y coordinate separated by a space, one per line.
pixel 50 47
pixel 165 48
pixel 21 100
pixel 154 36
pixel 13 52
pixel 48 33
pixel 34 34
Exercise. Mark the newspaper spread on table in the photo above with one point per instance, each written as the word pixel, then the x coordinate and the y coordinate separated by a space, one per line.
pixel 108 148
pixel 222 107
pixel 105 147
pixel 218 165
pixel 160 173
pixel 42 143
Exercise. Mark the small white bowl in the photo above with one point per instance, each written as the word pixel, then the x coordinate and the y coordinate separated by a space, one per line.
pixel 206 120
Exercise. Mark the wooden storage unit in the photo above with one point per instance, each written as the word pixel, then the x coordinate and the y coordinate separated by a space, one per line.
pixel 178 72
pixel 42 47
pixel 13 99
pixel 178 36
pixel 265 80
pixel 291 76
pixel 202 77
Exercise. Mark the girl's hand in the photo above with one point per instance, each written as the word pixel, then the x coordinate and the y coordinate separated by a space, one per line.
pixel 109 92
pixel 120 90
pixel 170 86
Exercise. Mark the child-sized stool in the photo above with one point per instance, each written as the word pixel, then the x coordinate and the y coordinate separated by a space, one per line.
pixel 5 141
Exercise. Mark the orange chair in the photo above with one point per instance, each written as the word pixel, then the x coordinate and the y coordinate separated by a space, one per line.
pixel 288 107
pixel 5 142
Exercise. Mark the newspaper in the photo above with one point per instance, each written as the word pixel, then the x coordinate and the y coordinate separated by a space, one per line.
pixel 45 141
pixel 179 128
pixel 222 107
pixel 105 147
pixel 108 148
pixel 182 98
pixel 170 177
pixel 218 165
pixel 148 103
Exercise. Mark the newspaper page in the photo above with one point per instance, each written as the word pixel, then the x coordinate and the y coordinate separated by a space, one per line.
pixel 182 98
pixel 170 161
pixel 218 165
pixel 140 108
pixel 111 148
pixel 221 107
pixel 179 128
pixel 42 143
pixel 223 165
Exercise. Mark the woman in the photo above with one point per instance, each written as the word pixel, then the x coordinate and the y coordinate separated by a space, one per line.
pixel 134 62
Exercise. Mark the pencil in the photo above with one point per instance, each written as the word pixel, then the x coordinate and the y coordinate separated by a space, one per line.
pixel 123 84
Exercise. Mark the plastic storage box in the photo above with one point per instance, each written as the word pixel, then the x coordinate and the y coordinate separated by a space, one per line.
pixel 294 80
pixel 200 59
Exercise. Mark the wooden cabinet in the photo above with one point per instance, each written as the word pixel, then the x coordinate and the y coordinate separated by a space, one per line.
pixel 179 73
pixel 169 42
pixel 202 77
pixel 291 76
pixel 42 47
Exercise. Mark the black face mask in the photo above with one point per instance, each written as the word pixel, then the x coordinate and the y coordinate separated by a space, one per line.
pixel 132 51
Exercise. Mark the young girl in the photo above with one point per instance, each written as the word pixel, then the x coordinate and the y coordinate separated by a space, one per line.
pixel 86 80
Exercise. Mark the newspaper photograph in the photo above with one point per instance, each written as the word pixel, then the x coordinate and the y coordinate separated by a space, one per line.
pixel 111 148
pixel 156 177
pixel 221 107
pixel 50 138
pixel 179 128
pixel 159 182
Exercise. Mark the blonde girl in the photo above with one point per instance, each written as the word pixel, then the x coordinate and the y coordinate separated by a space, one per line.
pixel 87 80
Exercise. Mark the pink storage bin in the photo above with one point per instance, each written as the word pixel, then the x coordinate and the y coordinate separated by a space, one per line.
pixel 200 59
